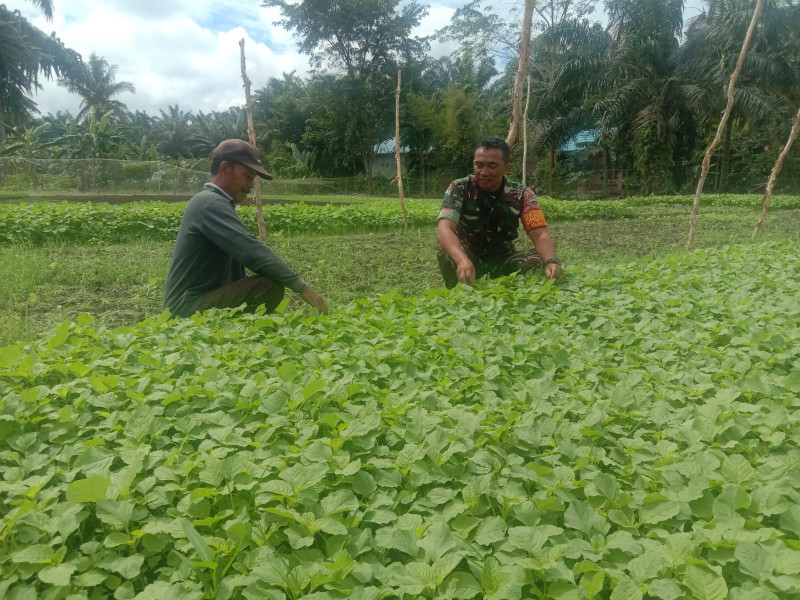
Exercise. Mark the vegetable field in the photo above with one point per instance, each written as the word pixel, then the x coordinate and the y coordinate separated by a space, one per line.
pixel 629 433
pixel 44 223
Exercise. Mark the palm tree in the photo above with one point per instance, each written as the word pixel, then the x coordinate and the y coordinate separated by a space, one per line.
pixel 281 109
pixel 763 95
pixel 214 127
pixel 46 6
pixel 26 53
pixel 177 139
pixel 566 59
pixel 446 109
pixel 638 90
pixel 97 85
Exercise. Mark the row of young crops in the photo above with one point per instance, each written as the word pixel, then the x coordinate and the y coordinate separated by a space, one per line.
pixel 100 223
pixel 107 223
pixel 628 433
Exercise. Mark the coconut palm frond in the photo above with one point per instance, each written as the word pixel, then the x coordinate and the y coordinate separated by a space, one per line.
pixel 97 85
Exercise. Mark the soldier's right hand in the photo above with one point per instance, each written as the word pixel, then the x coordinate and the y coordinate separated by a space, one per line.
pixel 312 297
pixel 465 271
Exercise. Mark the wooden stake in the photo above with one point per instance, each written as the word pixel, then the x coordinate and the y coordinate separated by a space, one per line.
pixel 522 70
pixel 251 131
pixel 721 127
pixel 774 175
pixel 399 177
pixel 525 133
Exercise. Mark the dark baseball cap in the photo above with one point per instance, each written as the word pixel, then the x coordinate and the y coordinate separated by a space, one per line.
pixel 241 152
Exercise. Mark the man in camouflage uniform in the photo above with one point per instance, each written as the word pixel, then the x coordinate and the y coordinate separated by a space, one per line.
pixel 479 221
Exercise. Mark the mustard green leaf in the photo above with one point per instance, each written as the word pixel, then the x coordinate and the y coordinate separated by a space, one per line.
pixel 58 575
pixel 705 583
pixel 90 489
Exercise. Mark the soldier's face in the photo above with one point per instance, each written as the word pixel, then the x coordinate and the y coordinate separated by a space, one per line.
pixel 489 168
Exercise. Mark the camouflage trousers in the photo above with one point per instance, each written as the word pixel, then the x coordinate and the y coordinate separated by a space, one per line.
pixel 494 265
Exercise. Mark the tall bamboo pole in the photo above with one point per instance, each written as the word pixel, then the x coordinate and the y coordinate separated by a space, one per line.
pixel 397 148
pixel 251 131
pixel 774 175
pixel 522 70
pixel 722 122
pixel 525 133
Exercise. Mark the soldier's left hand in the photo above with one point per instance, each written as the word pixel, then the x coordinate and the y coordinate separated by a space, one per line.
pixel 554 271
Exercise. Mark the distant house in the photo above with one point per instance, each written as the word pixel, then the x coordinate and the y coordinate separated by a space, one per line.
pixel 384 163
pixel 582 140
pixel 587 155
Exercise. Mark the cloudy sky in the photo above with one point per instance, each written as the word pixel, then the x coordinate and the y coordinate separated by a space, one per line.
pixel 186 52
pixel 183 52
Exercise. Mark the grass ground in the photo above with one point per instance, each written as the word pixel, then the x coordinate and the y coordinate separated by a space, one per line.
pixel 122 284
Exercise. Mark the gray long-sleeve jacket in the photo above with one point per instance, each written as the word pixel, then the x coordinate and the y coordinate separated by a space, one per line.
pixel 212 250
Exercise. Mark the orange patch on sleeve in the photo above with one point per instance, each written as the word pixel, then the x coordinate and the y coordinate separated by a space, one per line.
pixel 531 219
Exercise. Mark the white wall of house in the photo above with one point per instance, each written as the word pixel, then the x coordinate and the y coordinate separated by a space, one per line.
pixel 385 165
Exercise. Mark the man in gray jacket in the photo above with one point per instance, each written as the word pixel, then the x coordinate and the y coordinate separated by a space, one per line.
pixel 214 246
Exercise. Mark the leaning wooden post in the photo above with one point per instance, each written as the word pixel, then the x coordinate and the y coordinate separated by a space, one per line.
pixel 774 175
pixel 522 70
pixel 399 177
pixel 251 131
pixel 721 127
pixel 525 133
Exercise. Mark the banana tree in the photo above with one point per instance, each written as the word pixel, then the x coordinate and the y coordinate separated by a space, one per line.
pixel 28 148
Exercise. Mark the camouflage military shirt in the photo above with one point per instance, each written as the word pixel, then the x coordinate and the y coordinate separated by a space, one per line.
pixel 488 223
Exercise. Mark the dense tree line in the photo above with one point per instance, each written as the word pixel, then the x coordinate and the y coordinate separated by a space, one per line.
pixel 647 89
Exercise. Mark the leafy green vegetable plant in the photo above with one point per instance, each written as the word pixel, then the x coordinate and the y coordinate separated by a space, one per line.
pixel 627 433
pixel 100 223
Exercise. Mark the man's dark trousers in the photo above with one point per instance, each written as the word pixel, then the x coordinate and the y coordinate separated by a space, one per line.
pixel 252 291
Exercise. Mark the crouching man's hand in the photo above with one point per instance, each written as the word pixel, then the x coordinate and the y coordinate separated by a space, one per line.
pixel 310 296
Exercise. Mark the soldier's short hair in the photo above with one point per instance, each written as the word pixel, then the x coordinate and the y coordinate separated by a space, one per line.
pixel 491 143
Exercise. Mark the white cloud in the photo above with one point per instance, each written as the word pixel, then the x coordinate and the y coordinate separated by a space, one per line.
pixel 437 17
pixel 179 52
pixel 281 37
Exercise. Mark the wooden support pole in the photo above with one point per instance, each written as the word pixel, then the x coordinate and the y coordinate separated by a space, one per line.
pixel 522 71
pixel 774 175
pixel 399 177
pixel 525 133
pixel 721 127
pixel 251 131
